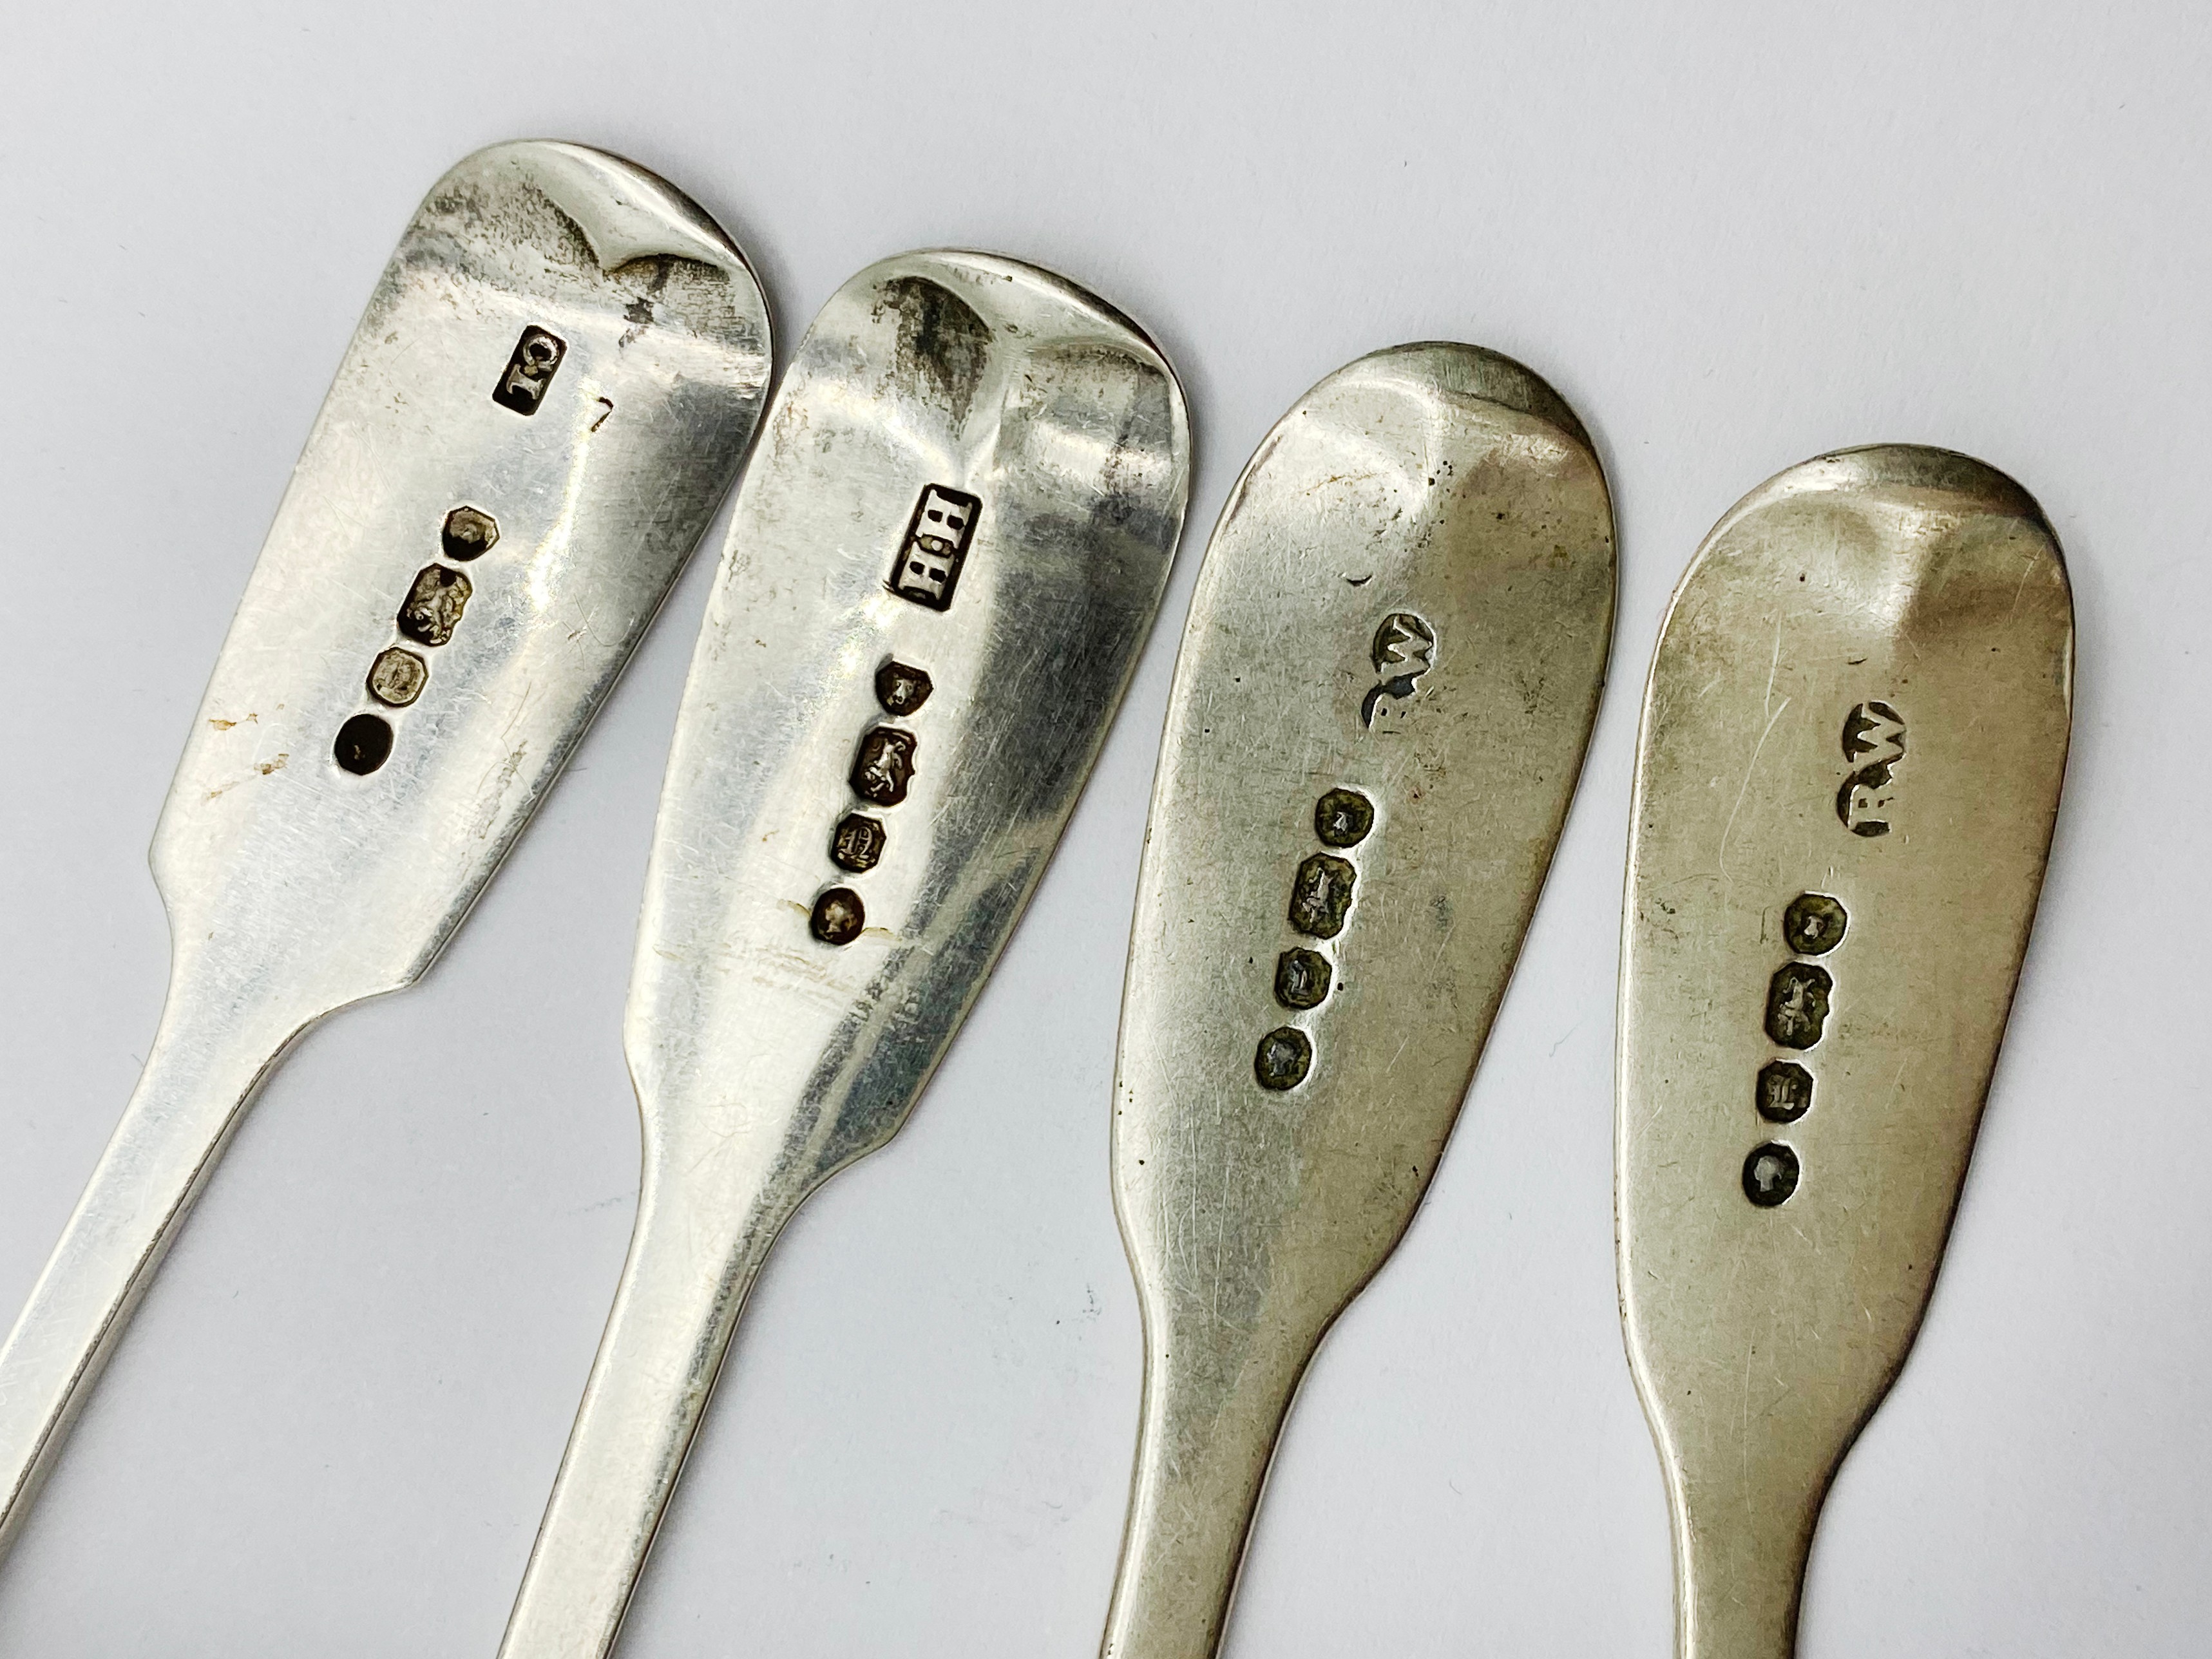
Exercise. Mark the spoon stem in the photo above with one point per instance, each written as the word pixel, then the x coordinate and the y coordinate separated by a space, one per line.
pixel 1739 1575
pixel 203 1069
pixel 1202 1458
pixel 691 1265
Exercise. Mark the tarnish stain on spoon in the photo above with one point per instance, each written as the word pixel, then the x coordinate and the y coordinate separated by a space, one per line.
pixel 942 344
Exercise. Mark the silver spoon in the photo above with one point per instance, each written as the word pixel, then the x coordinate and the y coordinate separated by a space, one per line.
pixel 1853 740
pixel 1386 686
pixel 547 399
pixel 940 568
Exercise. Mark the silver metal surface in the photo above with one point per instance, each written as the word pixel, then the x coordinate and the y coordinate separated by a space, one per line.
pixel 941 566
pixel 1386 687
pixel 1853 741
pixel 549 394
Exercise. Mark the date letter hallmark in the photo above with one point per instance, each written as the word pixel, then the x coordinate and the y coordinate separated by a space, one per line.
pixel 1405 649
pixel 529 370
pixel 1874 744
pixel 927 568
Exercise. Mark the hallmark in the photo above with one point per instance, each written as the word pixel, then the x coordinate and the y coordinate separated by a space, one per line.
pixel 1814 924
pixel 1405 649
pixel 1302 978
pixel 1874 743
pixel 433 606
pixel 467 533
pixel 1285 1056
pixel 927 568
pixel 885 766
pixel 1770 1175
pixel 1321 898
pixel 1797 1003
pixel 396 678
pixel 1321 893
pixel 1785 1091
pixel 529 370
pixel 858 843
pixel 364 744
pixel 883 770
pixel 902 690
pixel 1342 818
pixel 838 916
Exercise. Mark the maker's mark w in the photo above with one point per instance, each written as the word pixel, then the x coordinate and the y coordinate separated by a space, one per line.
pixel 1405 649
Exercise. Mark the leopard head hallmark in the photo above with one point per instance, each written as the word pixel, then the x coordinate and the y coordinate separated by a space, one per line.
pixel 1405 649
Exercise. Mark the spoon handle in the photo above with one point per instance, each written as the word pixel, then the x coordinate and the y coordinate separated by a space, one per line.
pixel 1199 1474
pixel 692 1262
pixel 194 1089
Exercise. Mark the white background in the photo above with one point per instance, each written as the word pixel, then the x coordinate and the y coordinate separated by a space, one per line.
pixel 1732 237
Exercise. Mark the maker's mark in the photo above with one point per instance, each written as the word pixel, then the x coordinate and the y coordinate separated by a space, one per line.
pixel 1874 743
pixel 1405 649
